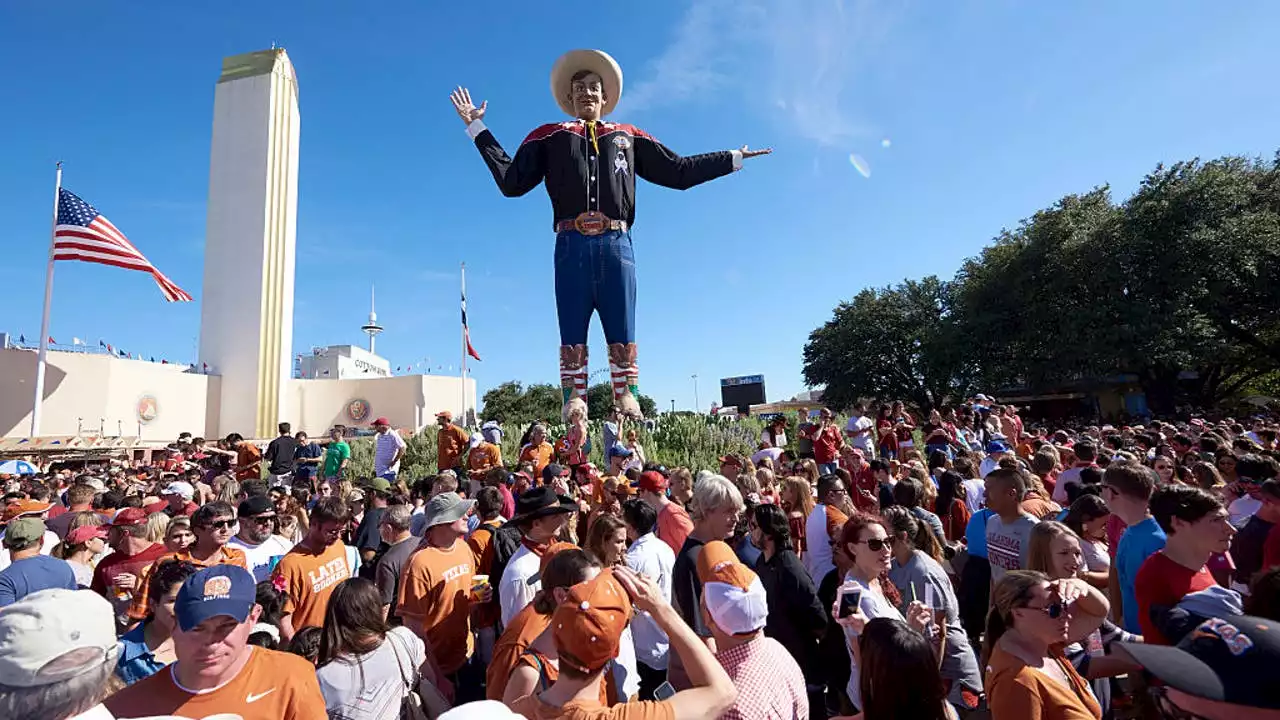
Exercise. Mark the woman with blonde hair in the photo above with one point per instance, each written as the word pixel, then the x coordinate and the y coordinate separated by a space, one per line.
pixel 768 486
pixel 1056 551
pixel 809 471
pixel 1032 618
pixel 157 526
pixel 178 535
pixel 797 502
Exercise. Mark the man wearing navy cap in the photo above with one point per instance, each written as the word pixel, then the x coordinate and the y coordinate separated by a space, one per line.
pixel 217 672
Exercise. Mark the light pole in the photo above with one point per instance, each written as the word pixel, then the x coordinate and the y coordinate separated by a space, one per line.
pixel 673 407
pixel 696 405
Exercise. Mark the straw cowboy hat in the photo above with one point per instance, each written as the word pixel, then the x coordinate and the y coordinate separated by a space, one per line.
pixel 596 61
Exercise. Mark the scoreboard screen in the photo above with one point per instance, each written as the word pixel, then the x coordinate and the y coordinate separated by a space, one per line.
pixel 742 392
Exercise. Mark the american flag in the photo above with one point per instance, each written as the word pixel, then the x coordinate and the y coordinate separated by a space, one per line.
pixel 83 234
pixel 466 331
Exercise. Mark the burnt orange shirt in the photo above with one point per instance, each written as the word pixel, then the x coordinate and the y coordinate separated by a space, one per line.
pixel 270 685
pixel 674 526
pixel 835 521
pixel 481 542
pixel 540 456
pixel 452 441
pixel 226 555
pixel 248 462
pixel 482 458
pixel 436 586
pixel 525 627
pixel 549 672
pixel 533 708
pixel 1015 690
pixel 309 581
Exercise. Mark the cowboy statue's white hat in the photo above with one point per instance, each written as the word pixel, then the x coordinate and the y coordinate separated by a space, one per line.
pixel 596 61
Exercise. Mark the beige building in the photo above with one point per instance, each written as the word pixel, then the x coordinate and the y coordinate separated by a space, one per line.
pixel 246 321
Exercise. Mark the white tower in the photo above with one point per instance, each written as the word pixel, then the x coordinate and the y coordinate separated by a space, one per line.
pixel 246 319
pixel 372 328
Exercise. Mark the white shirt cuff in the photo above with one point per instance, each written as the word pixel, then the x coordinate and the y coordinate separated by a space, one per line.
pixel 737 155
pixel 476 127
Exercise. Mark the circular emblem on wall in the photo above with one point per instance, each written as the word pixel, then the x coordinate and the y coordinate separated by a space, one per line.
pixel 358 410
pixel 147 409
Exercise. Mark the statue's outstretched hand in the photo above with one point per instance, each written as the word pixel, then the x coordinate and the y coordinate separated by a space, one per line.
pixel 746 153
pixel 467 110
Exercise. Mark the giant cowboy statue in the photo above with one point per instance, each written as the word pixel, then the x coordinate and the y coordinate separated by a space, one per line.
pixel 589 167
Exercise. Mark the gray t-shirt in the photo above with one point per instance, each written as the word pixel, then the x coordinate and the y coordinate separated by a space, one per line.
pixel 922 578
pixel 1007 543
pixel 390 568
pixel 371 686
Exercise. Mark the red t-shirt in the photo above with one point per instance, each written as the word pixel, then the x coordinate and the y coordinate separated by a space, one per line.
pixel 1161 582
pixel 1271 549
pixel 826 442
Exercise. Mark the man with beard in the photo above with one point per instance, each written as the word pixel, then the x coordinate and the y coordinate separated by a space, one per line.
pixel 257 538
pixel 217 672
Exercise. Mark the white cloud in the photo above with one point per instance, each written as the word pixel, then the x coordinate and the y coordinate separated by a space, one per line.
pixel 796 60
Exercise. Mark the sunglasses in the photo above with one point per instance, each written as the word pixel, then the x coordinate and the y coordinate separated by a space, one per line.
pixel 874 544
pixel 1054 610
pixel 260 519
pixel 221 525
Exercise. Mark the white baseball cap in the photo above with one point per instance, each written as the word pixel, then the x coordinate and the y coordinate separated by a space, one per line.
pixel 179 487
pixel 51 635
pixel 481 710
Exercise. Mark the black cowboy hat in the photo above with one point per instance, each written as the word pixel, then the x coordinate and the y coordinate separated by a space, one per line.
pixel 540 502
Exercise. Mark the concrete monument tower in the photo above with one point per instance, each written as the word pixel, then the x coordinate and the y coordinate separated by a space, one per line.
pixel 246 319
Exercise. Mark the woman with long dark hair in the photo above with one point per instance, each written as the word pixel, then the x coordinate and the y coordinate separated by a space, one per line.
pixel 951 507
pixel 364 664
pixel 1087 518
pixel 900 674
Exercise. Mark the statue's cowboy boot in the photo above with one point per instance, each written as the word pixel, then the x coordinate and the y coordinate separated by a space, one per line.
pixel 625 376
pixel 573 379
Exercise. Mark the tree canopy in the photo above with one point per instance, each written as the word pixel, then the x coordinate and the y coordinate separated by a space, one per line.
pixel 1180 280
pixel 517 404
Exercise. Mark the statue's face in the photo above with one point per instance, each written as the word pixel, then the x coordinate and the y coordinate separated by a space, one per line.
pixel 588 96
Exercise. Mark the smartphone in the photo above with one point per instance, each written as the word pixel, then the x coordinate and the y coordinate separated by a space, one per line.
pixel 849 601
pixel 663 691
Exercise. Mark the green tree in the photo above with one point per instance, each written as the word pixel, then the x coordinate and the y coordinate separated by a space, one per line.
pixel 600 399
pixel 893 342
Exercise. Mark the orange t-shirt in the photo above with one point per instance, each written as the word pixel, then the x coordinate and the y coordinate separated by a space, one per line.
pixel 524 628
pixel 550 672
pixel 534 708
pixel 248 462
pixel 1017 691
pixel 487 614
pixel 227 555
pixel 309 581
pixel 436 586
pixel 540 456
pixel 482 458
pixel 451 442
pixel 270 685
pixel 835 521
pixel 674 526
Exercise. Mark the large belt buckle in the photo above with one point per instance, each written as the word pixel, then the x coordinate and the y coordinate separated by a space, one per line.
pixel 591 223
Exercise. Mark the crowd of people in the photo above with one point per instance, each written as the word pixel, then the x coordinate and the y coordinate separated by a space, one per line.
pixel 970 565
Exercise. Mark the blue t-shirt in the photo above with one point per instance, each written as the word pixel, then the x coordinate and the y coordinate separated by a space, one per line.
pixel 34 574
pixel 975 533
pixel 305 471
pixel 1138 543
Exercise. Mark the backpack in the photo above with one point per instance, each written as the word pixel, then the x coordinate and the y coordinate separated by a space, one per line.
pixel 506 540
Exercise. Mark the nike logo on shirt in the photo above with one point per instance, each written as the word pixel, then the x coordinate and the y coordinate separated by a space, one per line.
pixel 255 697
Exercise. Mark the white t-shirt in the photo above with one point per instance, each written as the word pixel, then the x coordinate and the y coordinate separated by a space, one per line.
pixel 385 448
pixel 873 605
pixel 516 592
pixel 817 558
pixel 259 556
pixel 863 441
pixel 975 494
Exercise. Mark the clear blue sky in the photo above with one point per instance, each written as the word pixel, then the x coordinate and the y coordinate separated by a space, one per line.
pixel 992 110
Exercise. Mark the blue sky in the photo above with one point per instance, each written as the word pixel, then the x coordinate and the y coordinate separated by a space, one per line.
pixel 992 110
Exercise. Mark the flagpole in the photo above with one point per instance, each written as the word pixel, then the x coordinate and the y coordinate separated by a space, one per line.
pixel 464 350
pixel 42 356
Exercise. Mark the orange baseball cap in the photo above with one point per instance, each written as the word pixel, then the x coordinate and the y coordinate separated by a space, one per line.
pixel 588 625
pixel 732 593
pixel 25 507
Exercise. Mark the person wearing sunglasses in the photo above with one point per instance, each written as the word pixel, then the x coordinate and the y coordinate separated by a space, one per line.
pixel 1031 619
pixel 213 524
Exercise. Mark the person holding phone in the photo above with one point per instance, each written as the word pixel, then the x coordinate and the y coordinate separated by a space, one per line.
pixel 867 592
